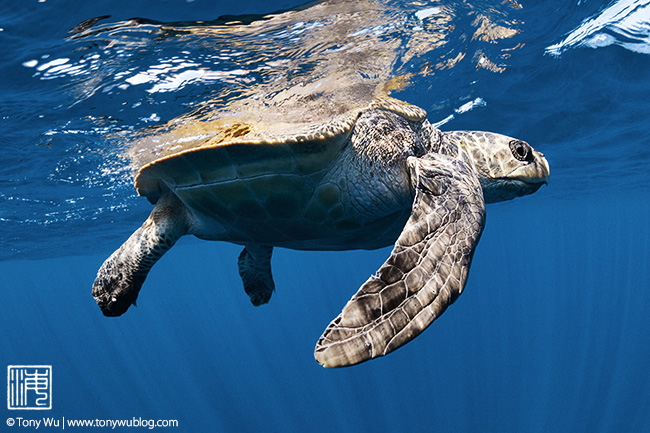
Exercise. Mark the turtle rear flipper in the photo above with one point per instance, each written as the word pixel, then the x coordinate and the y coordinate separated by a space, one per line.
pixel 425 272
pixel 121 276
pixel 255 271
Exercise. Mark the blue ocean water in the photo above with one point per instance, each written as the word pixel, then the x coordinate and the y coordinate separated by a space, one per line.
pixel 550 335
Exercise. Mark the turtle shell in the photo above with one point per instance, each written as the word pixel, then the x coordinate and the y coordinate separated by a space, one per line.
pixel 267 182
pixel 238 149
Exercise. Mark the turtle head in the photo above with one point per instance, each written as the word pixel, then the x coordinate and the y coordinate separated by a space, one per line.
pixel 506 167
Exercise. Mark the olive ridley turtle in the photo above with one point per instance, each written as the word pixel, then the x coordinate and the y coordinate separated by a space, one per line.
pixel 362 178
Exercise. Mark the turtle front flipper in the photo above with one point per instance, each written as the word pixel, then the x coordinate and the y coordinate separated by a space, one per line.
pixel 425 272
pixel 120 277
pixel 255 271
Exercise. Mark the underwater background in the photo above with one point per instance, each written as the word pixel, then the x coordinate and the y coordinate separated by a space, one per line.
pixel 552 333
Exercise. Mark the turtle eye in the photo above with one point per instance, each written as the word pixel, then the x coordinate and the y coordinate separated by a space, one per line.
pixel 520 150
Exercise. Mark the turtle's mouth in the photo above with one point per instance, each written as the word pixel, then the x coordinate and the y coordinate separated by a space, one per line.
pixel 533 175
pixel 507 188
pixel 529 186
pixel 524 186
pixel 527 183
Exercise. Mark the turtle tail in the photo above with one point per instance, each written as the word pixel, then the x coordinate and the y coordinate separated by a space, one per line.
pixel 121 276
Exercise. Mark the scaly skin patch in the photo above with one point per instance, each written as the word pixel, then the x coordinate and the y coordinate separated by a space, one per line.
pixel 506 167
pixel 255 270
pixel 426 271
pixel 119 279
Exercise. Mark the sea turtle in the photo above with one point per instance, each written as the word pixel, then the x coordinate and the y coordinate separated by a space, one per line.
pixel 362 179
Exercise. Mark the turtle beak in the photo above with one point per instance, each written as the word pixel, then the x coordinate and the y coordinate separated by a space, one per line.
pixel 537 172
pixel 546 170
